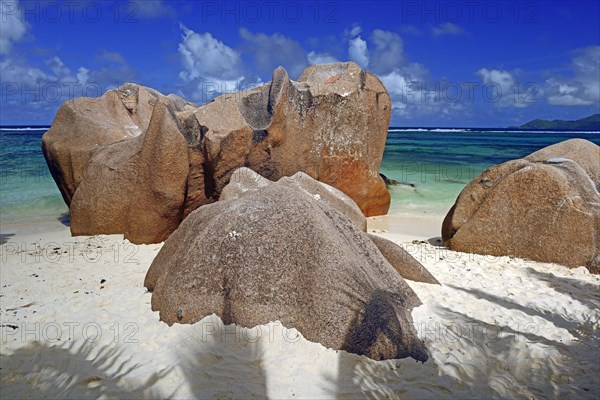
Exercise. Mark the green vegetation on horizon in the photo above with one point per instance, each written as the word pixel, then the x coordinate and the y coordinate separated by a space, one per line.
pixel 591 123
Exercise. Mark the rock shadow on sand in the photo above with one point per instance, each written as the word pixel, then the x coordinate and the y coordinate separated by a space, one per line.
pixel 472 358
pixel 4 237
pixel 436 241
pixel 65 219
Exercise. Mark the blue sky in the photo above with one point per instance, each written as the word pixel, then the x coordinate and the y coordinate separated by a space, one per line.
pixel 445 63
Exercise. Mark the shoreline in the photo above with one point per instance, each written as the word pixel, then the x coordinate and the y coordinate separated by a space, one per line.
pixel 400 227
pixel 404 228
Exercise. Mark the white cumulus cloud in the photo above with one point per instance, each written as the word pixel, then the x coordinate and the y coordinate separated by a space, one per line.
pixel 12 26
pixel 358 52
pixel 205 57
pixel 388 53
pixel 320 58
pixel 83 74
pixel 270 51
pixel 502 88
pixel 58 67
pixel 582 87
pixel 447 29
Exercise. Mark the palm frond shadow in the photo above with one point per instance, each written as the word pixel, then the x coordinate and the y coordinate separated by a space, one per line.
pixel 213 353
pixel 570 369
pixel 81 371
pixel 570 286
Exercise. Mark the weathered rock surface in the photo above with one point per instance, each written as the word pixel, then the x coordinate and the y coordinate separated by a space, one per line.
pixel 406 265
pixel 135 187
pixel 244 179
pixel 278 253
pixel 331 124
pixel 583 152
pixel 544 210
pixel 84 125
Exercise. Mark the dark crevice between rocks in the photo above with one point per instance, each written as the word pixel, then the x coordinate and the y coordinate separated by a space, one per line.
pixel 259 135
pixel 192 131
pixel 210 186
pixel 170 109
pixel 363 80
pixel 129 96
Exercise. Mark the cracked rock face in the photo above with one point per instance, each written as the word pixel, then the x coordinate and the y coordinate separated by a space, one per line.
pixel 250 259
pixel 545 207
pixel 330 124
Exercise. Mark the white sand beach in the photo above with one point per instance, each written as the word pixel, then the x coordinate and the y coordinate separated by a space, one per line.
pixel 298 190
pixel 77 323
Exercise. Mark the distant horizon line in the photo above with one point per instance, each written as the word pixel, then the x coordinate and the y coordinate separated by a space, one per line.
pixel 476 128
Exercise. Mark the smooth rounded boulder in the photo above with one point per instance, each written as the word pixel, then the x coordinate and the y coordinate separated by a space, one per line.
pixel 545 210
pixel 280 254
pixel 583 152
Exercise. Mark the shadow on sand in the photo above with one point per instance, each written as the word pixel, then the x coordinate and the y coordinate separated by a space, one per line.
pixel 472 358
pixel 436 241
pixel 225 355
pixel 482 360
pixel 74 371
pixel 4 237
pixel 65 219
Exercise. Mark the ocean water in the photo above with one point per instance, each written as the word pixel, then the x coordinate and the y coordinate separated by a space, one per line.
pixel 436 164
pixel 433 165
pixel 28 194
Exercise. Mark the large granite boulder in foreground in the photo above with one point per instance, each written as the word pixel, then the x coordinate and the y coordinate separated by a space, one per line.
pixel 331 124
pixel 544 207
pixel 281 253
pixel 244 180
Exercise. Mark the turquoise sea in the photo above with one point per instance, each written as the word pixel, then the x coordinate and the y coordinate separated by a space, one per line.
pixel 433 164
pixel 439 162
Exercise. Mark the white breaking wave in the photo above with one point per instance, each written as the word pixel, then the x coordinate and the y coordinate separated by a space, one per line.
pixel 429 130
pixel 43 128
